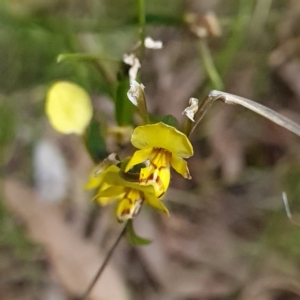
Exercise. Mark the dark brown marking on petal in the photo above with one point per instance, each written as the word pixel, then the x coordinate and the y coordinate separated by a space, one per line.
pixel 128 199
pixel 125 212
pixel 162 193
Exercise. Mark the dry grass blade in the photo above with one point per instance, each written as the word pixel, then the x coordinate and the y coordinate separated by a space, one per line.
pixel 287 209
pixel 255 107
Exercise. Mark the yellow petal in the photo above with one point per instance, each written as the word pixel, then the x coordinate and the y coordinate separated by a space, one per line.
pixel 160 135
pixel 68 107
pixel 138 157
pixel 129 207
pixel 116 192
pixel 109 194
pixel 98 173
pixel 113 178
pixel 124 211
pixel 165 177
pixel 92 183
pixel 94 180
pixel 156 203
pixel 180 166
pixel 103 201
pixel 159 178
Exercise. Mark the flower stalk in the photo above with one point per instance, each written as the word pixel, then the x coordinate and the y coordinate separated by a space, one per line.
pixel 142 21
pixel 104 264
pixel 136 95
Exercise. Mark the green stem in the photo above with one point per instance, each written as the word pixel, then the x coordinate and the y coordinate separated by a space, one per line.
pixel 104 264
pixel 142 108
pixel 142 21
pixel 209 65
pixel 188 127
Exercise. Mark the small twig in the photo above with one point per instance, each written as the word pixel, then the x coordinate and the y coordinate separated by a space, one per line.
pixel 254 106
pixel 102 267
pixel 287 209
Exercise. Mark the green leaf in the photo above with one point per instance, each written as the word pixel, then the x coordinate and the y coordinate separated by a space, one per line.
pixel 94 142
pixel 123 107
pixel 133 238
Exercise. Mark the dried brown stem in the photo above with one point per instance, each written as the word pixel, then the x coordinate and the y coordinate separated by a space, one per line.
pixel 255 107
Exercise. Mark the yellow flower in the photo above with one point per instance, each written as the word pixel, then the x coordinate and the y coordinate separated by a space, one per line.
pixel 68 107
pixel 161 146
pixel 130 195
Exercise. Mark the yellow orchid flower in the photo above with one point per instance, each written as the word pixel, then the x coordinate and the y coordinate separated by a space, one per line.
pixel 161 146
pixel 68 107
pixel 130 195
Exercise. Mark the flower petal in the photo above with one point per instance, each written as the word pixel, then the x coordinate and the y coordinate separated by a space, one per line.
pixel 110 194
pixel 94 180
pixel 156 203
pixel 113 178
pixel 160 135
pixel 68 107
pixel 180 166
pixel 138 157
pixel 98 173
pixel 158 178
pixel 129 207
